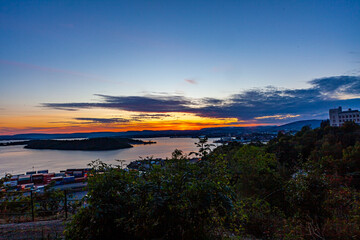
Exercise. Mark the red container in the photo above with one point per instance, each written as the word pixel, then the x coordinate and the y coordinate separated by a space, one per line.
pixel 47 177
pixel 37 178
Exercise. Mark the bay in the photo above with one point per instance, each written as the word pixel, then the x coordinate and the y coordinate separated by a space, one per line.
pixel 18 160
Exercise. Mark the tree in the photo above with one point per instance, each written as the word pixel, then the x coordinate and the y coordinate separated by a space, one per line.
pixel 204 147
pixel 179 201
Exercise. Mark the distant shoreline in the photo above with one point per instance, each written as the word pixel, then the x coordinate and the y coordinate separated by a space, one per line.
pixel 209 132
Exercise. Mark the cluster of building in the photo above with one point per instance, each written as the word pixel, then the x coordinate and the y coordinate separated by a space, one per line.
pixel 338 117
pixel 37 180
pixel 262 137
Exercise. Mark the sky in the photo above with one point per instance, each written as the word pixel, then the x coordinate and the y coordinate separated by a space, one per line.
pixel 86 66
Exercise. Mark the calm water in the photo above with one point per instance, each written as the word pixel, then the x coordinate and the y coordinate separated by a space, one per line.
pixel 17 159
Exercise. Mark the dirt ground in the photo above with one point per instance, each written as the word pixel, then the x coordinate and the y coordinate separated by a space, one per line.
pixel 33 230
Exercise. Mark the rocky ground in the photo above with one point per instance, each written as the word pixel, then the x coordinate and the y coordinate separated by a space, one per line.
pixel 33 230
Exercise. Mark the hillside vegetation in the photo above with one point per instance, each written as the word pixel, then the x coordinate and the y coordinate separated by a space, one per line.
pixel 304 186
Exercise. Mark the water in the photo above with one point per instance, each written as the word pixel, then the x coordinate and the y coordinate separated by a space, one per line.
pixel 17 159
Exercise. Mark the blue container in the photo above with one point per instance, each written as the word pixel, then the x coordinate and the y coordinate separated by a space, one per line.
pixel 69 179
pixel 78 174
pixel 58 180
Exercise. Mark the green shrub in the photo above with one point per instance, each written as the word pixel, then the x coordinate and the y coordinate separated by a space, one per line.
pixel 180 201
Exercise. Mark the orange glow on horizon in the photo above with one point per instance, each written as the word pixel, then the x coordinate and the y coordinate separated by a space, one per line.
pixel 77 122
pixel 141 127
pixel 135 126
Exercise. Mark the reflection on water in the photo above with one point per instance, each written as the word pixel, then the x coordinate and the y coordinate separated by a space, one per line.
pixel 17 160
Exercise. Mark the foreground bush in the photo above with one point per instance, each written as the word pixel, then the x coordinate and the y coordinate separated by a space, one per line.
pixel 180 201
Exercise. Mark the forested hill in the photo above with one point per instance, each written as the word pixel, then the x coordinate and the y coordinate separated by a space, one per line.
pixel 296 126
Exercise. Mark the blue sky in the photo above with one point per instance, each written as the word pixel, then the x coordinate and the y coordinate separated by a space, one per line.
pixel 67 51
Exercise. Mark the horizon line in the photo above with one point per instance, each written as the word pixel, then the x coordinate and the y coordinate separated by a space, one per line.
pixel 57 133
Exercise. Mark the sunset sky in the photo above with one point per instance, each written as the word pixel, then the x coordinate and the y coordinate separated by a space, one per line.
pixel 83 66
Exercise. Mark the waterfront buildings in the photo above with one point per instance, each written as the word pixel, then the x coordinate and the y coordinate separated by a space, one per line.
pixel 338 116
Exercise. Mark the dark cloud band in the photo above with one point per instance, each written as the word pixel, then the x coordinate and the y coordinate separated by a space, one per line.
pixel 103 120
pixel 324 93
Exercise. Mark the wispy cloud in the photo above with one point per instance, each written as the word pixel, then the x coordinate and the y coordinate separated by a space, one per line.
pixel 337 85
pixel 133 118
pixel 278 117
pixel 149 103
pixel 140 117
pixel 103 120
pixel 191 81
pixel 260 104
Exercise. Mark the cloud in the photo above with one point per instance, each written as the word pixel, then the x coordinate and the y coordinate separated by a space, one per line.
pixel 338 85
pixel 278 116
pixel 103 120
pixel 191 81
pixel 149 103
pixel 66 109
pixel 262 105
pixel 140 117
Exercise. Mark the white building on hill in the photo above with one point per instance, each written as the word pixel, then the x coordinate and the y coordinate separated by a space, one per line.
pixel 338 116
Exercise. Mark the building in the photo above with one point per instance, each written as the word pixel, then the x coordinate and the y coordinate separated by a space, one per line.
pixel 338 116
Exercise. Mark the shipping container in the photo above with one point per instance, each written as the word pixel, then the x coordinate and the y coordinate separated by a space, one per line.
pixel 69 179
pixel 60 174
pixel 58 180
pixel 15 177
pixel 49 175
pixel 77 174
pixel 37 178
pixel 24 179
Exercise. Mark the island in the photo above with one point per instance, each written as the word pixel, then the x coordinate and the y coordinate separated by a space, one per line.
pixel 5 144
pixel 91 144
